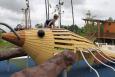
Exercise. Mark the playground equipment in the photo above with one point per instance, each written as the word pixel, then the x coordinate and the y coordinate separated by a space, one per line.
pixel 45 43
pixel 42 44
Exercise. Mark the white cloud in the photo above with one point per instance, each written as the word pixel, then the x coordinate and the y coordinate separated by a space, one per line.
pixel 14 5
pixel 10 10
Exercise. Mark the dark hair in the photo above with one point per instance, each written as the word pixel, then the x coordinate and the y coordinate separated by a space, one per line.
pixel 56 16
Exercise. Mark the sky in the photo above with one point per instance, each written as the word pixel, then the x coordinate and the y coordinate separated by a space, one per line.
pixel 10 11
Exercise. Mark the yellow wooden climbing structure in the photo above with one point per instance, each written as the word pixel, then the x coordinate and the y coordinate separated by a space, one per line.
pixel 52 42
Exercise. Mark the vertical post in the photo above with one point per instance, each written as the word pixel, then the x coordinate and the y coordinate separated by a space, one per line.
pixel 29 20
pixel 27 15
pixel 98 24
pixel 72 12
pixel 46 8
pixel 60 13
pixel 25 18
pixel 28 6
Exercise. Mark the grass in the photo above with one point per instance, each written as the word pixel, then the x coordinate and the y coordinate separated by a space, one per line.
pixel 4 45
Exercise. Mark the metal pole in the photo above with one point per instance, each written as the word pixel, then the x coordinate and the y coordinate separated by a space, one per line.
pixel 30 19
pixel 46 8
pixel 72 12
pixel 27 15
pixel 28 6
pixel 25 18
pixel 60 12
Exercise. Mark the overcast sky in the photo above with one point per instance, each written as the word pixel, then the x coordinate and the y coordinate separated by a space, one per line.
pixel 10 10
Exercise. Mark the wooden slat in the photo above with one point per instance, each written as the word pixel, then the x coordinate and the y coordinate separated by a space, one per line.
pixel 72 38
pixel 64 46
pixel 64 41
pixel 61 33
pixel 40 43
pixel 59 30
pixel 64 37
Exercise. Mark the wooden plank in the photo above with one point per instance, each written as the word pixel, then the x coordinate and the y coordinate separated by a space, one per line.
pixel 60 30
pixel 61 33
pixel 64 46
pixel 38 44
pixel 72 38
pixel 64 41
pixel 64 37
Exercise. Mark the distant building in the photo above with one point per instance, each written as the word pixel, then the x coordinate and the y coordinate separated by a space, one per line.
pixel 108 33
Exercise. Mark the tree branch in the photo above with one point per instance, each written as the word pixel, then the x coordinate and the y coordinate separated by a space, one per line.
pixel 16 52
pixel 51 68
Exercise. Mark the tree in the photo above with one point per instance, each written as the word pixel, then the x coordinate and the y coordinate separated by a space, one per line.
pixel 90 28
pixel 89 15
pixel 110 19
pixel 39 25
pixel 75 29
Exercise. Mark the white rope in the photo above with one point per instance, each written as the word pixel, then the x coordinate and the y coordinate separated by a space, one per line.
pixel 89 64
pixel 105 57
pixel 101 61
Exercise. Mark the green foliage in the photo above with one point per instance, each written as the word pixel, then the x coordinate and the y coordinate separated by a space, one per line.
pixel 39 25
pixel 4 46
pixel 90 28
pixel 102 28
pixel 86 31
pixel 4 43
pixel 110 19
pixel 75 29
